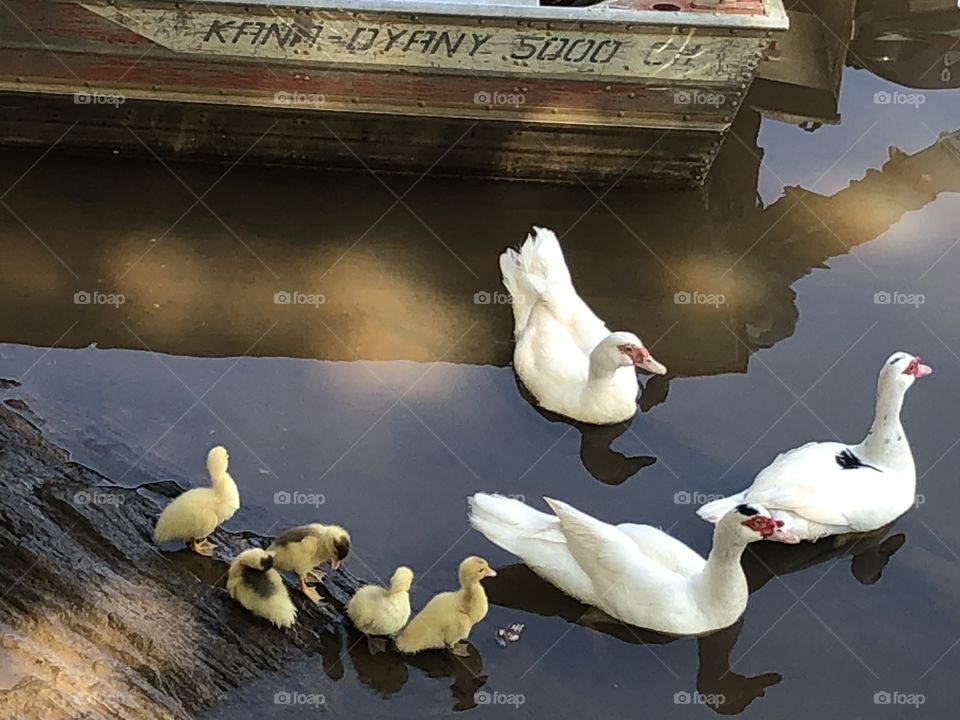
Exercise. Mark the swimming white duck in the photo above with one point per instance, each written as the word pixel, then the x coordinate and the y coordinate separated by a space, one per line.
pixel 196 513
pixel 828 488
pixel 565 355
pixel 635 573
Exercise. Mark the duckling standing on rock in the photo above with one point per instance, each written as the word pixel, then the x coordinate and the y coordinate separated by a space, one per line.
pixel 380 611
pixel 196 513
pixel 302 549
pixel 254 583
pixel 448 618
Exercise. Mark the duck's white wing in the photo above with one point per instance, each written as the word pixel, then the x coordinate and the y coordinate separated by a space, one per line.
pixel 538 273
pixel 608 556
pixel 534 537
pixel 548 356
pixel 821 482
pixel 664 549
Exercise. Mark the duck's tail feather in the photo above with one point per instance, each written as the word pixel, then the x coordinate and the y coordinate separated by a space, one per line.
pixel 713 511
pixel 511 524
pixel 528 272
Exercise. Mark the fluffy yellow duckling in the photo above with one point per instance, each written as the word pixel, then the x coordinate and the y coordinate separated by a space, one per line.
pixel 375 610
pixel 254 583
pixel 196 513
pixel 302 549
pixel 447 619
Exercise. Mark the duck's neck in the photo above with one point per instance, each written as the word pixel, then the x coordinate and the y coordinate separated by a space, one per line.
pixel 224 486
pixel 886 443
pixel 475 598
pixel 722 583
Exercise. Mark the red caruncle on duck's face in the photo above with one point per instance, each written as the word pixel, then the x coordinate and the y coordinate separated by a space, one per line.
pixel 766 526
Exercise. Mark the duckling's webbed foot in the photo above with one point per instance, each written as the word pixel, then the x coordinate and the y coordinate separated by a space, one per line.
pixel 308 591
pixel 376 645
pixel 202 547
pixel 316 576
pixel 461 649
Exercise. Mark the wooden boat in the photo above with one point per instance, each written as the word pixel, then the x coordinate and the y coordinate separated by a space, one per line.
pixel 617 90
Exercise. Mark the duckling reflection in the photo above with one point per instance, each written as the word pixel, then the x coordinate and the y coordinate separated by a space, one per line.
pixel 386 672
pixel 518 587
pixel 598 458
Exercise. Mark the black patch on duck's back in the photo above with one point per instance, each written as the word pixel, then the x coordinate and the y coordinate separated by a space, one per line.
pixel 258 581
pixel 294 535
pixel 342 546
pixel 848 461
pixel 747 510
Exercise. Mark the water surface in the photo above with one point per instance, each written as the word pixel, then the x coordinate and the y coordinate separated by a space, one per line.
pixel 383 407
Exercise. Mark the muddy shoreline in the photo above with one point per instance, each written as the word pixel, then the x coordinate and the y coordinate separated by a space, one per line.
pixel 99 623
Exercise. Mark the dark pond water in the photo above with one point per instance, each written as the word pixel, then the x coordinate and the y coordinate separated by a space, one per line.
pixel 393 400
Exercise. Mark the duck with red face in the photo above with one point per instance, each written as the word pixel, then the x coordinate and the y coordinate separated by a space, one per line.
pixel 829 488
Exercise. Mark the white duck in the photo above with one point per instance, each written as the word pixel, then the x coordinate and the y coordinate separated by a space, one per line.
pixel 828 488
pixel 565 355
pixel 635 573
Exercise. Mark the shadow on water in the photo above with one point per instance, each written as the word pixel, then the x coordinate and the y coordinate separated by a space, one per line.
pixel 598 458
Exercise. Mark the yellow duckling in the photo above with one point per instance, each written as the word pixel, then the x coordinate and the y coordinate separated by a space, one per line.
pixel 302 549
pixel 254 583
pixel 447 619
pixel 375 610
pixel 196 513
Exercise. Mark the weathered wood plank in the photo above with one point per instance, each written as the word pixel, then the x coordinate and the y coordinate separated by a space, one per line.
pixel 512 150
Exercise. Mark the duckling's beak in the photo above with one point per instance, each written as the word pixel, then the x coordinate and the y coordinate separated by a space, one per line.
pixel 491 573
pixel 335 564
